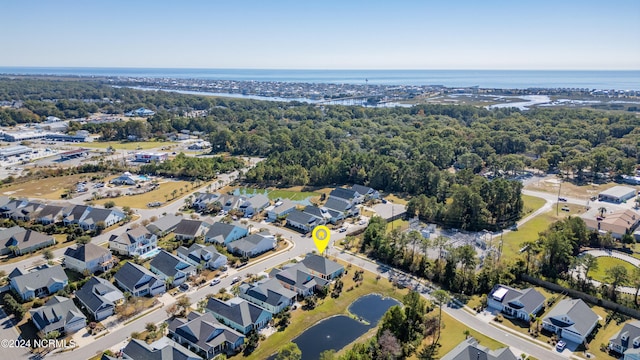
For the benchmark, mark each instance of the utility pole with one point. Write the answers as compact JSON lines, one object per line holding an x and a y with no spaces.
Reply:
{"x":558,"y":200}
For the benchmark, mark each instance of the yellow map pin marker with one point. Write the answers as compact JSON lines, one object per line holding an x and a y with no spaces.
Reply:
{"x":321,"y":236}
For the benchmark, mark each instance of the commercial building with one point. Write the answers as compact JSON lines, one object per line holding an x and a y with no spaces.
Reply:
{"x":14,"y":151}
{"x":148,"y":157}
{"x":617,"y":194}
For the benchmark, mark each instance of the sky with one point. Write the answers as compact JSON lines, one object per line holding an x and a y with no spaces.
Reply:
{"x":327,"y":34}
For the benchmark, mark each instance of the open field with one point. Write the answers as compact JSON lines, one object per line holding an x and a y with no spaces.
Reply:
{"x":605,"y":263}
{"x":273,"y":194}
{"x":395,"y":199}
{"x":140,"y":201}
{"x":571,"y":190}
{"x":126,"y":145}
{"x":49,"y":188}
{"x":301,"y":319}
{"x":399,"y":224}
{"x":531,"y":204}
{"x":513,"y":241}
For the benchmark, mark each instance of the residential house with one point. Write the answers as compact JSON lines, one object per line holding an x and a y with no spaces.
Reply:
{"x":138,"y":281}
{"x":167,"y":265}
{"x":322,"y":267}
{"x":161,"y":349}
{"x":190,"y":229}
{"x":254,"y":205}
{"x":239,"y":314}
{"x":205,"y":335}
{"x":202,"y":200}
{"x":58,"y":314}
{"x":26,"y":212}
{"x":520,"y":304}
{"x":11,"y":206}
{"x":281,"y":209}
{"x":268,"y":294}
{"x":50,"y":214}
{"x":223,"y":233}
{"x":88,"y":257}
{"x":319,"y":212}
{"x":349,"y":195}
{"x":367,"y":192}
{"x":74,"y":214}
{"x":42,"y":281}
{"x":253,"y":245}
{"x":164,"y":225}
{"x":469,"y":349}
{"x":99,"y":297}
{"x":573,"y":320}
{"x":627,"y":340}
{"x":298,"y":278}
{"x":231,"y":202}
{"x":95,"y":216}
{"x":20,"y":241}
{"x":340,"y":210}
{"x":198,"y":254}
{"x":302,"y":221}
{"x":135,"y":242}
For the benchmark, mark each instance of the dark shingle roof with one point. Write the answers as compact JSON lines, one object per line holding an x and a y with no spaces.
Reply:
{"x":96,"y":292}
{"x":165,"y":223}
{"x":269,"y":291}
{"x":188,"y":227}
{"x":301,"y":217}
{"x":50,"y":212}
{"x":22,"y":238}
{"x":577,"y":311}
{"x":86,"y":252}
{"x":55,"y":313}
{"x":163,"y":349}
{"x":321,"y":264}
{"x":240,"y":311}
{"x":169,"y":264}
{"x":342,"y":193}
{"x":336,"y":204}
{"x":130,"y":273}
{"x":631,"y":331}
{"x":203,"y":330}
{"x":361,"y":189}
{"x":196,"y":252}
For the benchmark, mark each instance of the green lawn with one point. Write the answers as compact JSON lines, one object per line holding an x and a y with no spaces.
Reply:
{"x":274,"y":194}
{"x":513,"y":240}
{"x":398,"y":224}
{"x":126,"y":145}
{"x":605,"y":263}
{"x":140,"y":201}
{"x":301,"y":319}
{"x":531,"y":204}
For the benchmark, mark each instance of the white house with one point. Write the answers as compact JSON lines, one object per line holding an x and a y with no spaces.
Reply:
{"x":138,"y":241}
{"x":198,"y":254}
{"x":58,"y":314}
{"x":520,"y":304}
{"x":573,"y":320}
{"x":253,"y":245}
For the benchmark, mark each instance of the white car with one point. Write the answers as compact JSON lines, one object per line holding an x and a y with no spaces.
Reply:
{"x":214,"y":282}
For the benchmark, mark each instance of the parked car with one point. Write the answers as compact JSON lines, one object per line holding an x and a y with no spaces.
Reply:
{"x":214,"y":282}
{"x":342,"y":230}
{"x":184,"y":286}
{"x":235,"y":280}
{"x":561,"y":345}
{"x":562,"y":199}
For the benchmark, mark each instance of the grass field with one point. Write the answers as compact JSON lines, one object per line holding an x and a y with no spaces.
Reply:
{"x":531,"y":204}
{"x":514,"y":240}
{"x":273,"y":194}
{"x":395,"y":199}
{"x":50,"y":188}
{"x":301,"y":319}
{"x":133,"y":145}
{"x":568,"y":189}
{"x":605,"y":263}
{"x":141,"y":201}
{"x":400,"y":224}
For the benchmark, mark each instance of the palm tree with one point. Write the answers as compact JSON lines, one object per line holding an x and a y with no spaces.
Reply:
{"x":602,"y":210}
{"x":441,"y":297}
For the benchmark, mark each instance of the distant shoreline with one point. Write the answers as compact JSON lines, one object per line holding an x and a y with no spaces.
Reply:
{"x":619,"y":80}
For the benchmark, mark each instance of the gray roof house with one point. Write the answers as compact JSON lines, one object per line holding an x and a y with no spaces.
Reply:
{"x":572,"y":320}
{"x":223,"y":234}
{"x":99,"y":297}
{"x":198,"y":254}
{"x":205,"y":333}
{"x":74,"y":214}
{"x":231,"y":202}
{"x":95,"y":215}
{"x":239,"y":314}
{"x":349,"y":195}
{"x":280,"y":209}
{"x":202,"y":200}
{"x":268,"y":294}
{"x":254,"y":205}
{"x":161,"y":349}
{"x":135,"y":242}
{"x":58,"y":314}
{"x":89,"y":257}
{"x":138,"y":281}
{"x":322,"y":267}
{"x":516,"y":303}
{"x":25,"y":241}
{"x":302,"y":221}
{"x":189,"y":229}
{"x":340,"y":209}
{"x":45,"y":280}
{"x":253,"y":245}
{"x":167,"y":265}
{"x":50,"y":214}
{"x":12,"y":205}
{"x":299,"y":279}
{"x":367,"y":192}
{"x":26,"y":212}
{"x":627,"y":339}
{"x":469,"y":349}
{"x":165,"y":224}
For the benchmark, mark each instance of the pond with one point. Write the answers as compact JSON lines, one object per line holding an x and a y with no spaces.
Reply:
{"x":339,"y":331}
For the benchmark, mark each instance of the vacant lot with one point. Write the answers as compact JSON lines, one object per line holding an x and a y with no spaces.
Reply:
{"x":133,"y":145}
{"x":551,"y":185}
{"x":50,"y":188}
{"x":163,"y":193}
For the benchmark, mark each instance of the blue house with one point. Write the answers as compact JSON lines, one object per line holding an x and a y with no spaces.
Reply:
{"x":239,"y":314}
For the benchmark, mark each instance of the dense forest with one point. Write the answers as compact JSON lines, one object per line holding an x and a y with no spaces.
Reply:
{"x":433,"y":153}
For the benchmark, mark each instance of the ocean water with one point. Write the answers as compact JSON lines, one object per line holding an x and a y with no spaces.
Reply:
{"x":503,"y":79}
